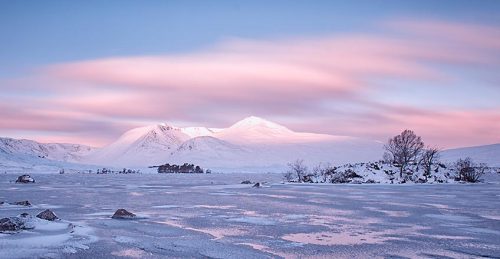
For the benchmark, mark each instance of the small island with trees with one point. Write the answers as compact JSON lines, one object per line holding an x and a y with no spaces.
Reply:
{"x":406,"y":160}
{"x":180,"y":169}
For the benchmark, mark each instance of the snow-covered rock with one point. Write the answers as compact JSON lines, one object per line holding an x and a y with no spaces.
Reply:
{"x":25,"y":178}
{"x":14,"y":224}
{"x":47,"y":215}
{"x":123,"y":214}
{"x":22,"y":203}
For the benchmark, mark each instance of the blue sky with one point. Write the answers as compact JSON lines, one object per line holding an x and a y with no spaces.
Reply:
{"x":40,"y":32}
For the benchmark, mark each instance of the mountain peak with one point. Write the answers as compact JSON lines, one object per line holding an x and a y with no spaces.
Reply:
{"x":254,"y":121}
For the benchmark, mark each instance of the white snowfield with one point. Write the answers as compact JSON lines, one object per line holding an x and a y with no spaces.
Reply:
{"x":488,"y":154}
{"x":250,"y":145}
{"x":214,"y":216}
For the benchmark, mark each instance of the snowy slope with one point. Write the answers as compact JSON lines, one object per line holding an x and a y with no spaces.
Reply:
{"x":255,"y":130}
{"x":209,"y":152}
{"x":194,"y":132}
{"x":53,"y":151}
{"x":255,"y":144}
{"x":142,"y":146}
{"x":489,"y":154}
{"x":28,"y":156}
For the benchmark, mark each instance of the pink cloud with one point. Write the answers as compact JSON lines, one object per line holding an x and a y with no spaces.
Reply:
{"x":472,"y":35}
{"x":302,"y":77}
{"x":444,"y":129}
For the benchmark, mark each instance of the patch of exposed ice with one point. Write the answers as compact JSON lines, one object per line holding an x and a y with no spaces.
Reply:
{"x":483,"y":230}
{"x":216,"y":233}
{"x":390,"y":213}
{"x":491,"y":216}
{"x":222,"y":207}
{"x":166,"y":206}
{"x":130,"y":252}
{"x":350,"y":237}
{"x":124,"y":239}
{"x":448,"y":217}
{"x":253,"y":220}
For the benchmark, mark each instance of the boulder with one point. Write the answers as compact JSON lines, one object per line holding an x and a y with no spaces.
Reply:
{"x":47,"y":215}
{"x":246,"y":182}
{"x":11,"y":224}
{"x":25,"y":178}
{"x":257,"y":185}
{"x":21,"y":203}
{"x":123,"y":214}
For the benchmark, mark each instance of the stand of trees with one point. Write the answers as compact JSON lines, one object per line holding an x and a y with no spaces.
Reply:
{"x":183,"y":169}
{"x":408,"y":149}
{"x":405,"y":155}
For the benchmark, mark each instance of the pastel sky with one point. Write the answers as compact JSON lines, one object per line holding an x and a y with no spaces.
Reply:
{"x":86,"y":71}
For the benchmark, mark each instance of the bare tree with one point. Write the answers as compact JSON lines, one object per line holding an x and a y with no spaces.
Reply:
{"x":324,"y":171}
{"x":404,"y":149}
{"x":296,"y":168}
{"x":429,"y":157}
{"x":468,"y":171}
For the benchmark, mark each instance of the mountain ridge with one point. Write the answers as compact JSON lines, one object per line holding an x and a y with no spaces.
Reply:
{"x":252,"y":142}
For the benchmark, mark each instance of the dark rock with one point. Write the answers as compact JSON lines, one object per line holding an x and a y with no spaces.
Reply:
{"x":257,"y":185}
{"x":11,"y":224}
{"x":22,"y":203}
{"x":123,"y":214}
{"x":24,"y":215}
{"x":47,"y":215}
{"x":246,"y":182}
{"x":25,"y":178}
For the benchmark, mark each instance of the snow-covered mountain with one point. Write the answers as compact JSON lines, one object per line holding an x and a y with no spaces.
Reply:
{"x":489,"y":154}
{"x":142,"y":146}
{"x":27,"y":156}
{"x":252,"y":144}
{"x":255,"y":130}
{"x":207,"y":150}
{"x":52,"y":151}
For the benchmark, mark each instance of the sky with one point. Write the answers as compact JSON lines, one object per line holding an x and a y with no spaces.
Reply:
{"x":86,"y":71}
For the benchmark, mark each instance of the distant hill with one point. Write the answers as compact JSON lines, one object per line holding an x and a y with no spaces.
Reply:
{"x":489,"y":154}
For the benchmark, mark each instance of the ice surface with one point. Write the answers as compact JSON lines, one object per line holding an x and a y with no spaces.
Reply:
{"x":187,"y":217}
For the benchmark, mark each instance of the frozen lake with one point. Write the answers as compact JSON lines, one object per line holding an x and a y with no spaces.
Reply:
{"x":214,"y":216}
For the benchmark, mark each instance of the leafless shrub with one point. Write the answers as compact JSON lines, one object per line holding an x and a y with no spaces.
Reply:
{"x":429,"y":157}
{"x":468,"y":171}
{"x":296,"y":170}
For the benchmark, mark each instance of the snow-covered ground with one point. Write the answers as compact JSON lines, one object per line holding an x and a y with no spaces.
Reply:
{"x":213,"y":215}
